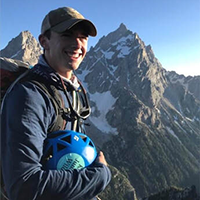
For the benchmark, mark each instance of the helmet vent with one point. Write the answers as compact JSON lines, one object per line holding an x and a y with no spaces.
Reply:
{"x":84,"y":138}
{"x":91,"y":144}
{"x":67,"y":139}
{"x":60,"y":147}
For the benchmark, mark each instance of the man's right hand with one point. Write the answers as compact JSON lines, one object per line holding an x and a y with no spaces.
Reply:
{"x":101,"y":158}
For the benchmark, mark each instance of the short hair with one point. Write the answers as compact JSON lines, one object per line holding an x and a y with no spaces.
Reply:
{"x":47,"y":34}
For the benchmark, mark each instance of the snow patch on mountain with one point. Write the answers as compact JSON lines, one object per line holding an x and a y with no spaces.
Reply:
{"x":172,"y":133}
{"x":108,"y":54}
{"x":196,"y":119}
{"x":180,"y":126}
{"x":123,"y":47}
{"x":112,"y":70}
{"x":124,"y":51}
{"x":105,"y":102}
{"x":16,"y":54}
{"x":81,"y":77}
{"x":124,"y":39}
{"x":176,"y":78}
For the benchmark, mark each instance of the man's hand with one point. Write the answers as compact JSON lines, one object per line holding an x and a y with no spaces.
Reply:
{"x":101,"y":158}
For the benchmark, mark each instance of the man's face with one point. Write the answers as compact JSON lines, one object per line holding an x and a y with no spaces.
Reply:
{"x":65,"y":51}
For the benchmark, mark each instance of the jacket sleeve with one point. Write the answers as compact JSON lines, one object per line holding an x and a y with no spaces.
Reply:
{"x":26,"y":116}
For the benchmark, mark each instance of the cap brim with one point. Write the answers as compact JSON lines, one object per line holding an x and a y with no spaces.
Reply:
{"x":66,"y":25}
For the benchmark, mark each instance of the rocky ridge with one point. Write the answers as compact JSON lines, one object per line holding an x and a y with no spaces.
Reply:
{"x":145,"y":118}
{"x":23,"y":47}
{"x":149,"y":116}
{"x":174,"y":193}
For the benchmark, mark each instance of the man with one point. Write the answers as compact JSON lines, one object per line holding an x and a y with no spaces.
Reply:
{"x":28,"y":113}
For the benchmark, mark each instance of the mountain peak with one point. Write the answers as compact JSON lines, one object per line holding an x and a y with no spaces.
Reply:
{"x":122,"y":27}
{"x":121,"y":30}
{"x":113,"y":37}
{"x":23,"y":47}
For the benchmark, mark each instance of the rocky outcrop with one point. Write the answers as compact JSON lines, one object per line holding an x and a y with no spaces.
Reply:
{"x":119,"y":187}
{"x":148,"y":121}
{"x":175,"y":193}
{"x":24,"y":47}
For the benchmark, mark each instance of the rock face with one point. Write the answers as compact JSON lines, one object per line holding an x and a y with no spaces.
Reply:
{"x":174,"y":193}
{"x":144,"y":118}
{"x":118,"y":188}
{"x":24,"y":47}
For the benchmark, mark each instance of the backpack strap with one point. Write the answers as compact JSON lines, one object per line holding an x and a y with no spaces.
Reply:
{"x":63,"y":115}
{"x":58,"y":104}
{"x":78,"y":109}
{"x":54,"y":95}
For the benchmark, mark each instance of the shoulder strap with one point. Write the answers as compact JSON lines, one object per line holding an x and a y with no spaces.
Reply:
{"x":63,"y":115}
{"x":57,"y":103}
{"x":55,"y":97}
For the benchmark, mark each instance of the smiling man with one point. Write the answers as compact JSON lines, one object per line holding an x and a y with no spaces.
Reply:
{"x":66,"y":46}
{"x":64,"y":38}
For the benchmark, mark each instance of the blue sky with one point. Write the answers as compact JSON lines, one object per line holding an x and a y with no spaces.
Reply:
{"x":171,"y":27}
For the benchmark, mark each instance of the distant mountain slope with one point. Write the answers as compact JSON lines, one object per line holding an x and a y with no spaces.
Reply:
{"x":24,"y":47}
{"x":174,"y":193}
{"x":147,"y":119}
{"x":144,"y":118}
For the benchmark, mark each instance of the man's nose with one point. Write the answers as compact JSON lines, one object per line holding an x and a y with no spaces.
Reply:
{"x":76,"y":43}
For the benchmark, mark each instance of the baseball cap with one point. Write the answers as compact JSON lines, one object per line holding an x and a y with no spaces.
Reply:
{"x":62,"y":19}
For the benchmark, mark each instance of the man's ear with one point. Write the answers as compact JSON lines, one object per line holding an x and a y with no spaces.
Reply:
{"x":44,"y":41}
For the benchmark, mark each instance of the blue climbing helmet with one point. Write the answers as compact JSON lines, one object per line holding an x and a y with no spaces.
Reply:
{"x":65,"y":150}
